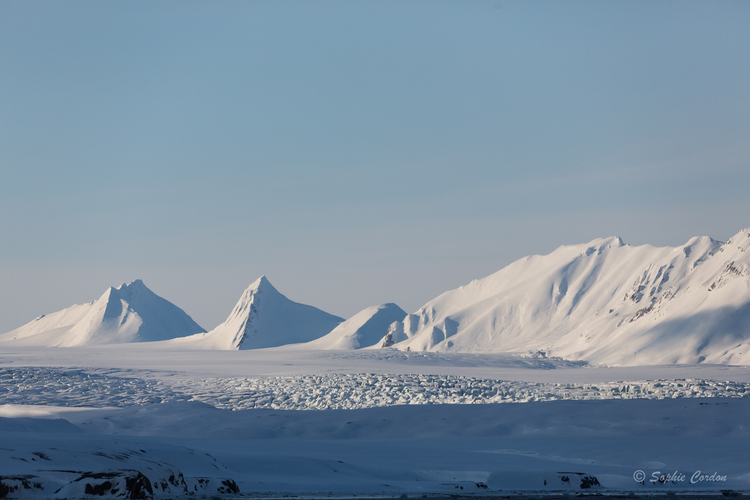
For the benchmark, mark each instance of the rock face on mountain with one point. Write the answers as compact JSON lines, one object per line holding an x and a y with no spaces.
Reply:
{"x":364,"y":329}
{"x":604,"y":302}
{"x":129,"y":313}
{"x":263,"y":317}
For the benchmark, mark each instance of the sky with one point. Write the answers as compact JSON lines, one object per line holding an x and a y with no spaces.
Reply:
{"x":355,"y":153}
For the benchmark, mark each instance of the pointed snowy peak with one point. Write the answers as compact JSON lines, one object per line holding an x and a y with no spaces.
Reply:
{"x":128,"y":313}
{"x":132,"y":289}
{"x":263,"y":317}
{"x":244,"y":307}
{"x":365,"y":329}
{"x":262,"y":283}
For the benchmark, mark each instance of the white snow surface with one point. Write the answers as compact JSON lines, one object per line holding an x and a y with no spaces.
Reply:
{"x":129,"y":313}
{"x":364,"y":329}
{"x":263,"y":317}
{"x":603,"y":302}
{"x":149,"y":421}
{"x":600,"y":368}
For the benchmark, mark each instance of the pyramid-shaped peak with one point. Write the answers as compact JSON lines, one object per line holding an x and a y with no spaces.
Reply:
{"x":133,"y":285}
{"x":264,"y":317}
{"x":137,"y":283}
{"x":260,"y":286}
{"x":261,"y":283}
{"x":128,"y":313}
{"x":129,"y":291}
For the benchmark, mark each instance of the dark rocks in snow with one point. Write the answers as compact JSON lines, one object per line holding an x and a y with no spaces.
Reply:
{"x":583,"y":480}
{"x":388,"y":340}
{"x":13,"y":484}
{"x":133,"y":485}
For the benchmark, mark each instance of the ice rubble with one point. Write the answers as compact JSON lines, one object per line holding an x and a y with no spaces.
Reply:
{"x":117,"y":388}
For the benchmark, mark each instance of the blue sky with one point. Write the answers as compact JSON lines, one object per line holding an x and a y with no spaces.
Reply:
{"x":355,"y":152}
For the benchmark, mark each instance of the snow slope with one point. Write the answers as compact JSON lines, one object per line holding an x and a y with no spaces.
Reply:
{"x":263,"y":317}
{"x":364,"y":329}
{"x":603,"y":302}
{"x":129,"y":313}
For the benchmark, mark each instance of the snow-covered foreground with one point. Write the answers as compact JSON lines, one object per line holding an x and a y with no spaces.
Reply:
{"x":136,"y":422}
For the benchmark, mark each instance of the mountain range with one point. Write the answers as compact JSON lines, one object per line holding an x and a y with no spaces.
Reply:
{"x":601,"y":302}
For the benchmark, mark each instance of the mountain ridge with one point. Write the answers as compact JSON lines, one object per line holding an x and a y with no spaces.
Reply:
{"x":596,"y":301}
{"x":604,"y":302}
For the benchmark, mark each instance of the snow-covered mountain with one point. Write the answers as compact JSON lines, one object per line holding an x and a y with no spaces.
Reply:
{"x":364,"y":329}
{"x":604,"y":302}
{"x":129,"y":313}
{"x":263,"y":317}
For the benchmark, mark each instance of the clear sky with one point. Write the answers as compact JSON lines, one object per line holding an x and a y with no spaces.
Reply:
{"x":355,"y":152}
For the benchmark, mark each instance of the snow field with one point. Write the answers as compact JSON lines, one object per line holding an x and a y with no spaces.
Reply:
{"x":109,"y":388}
